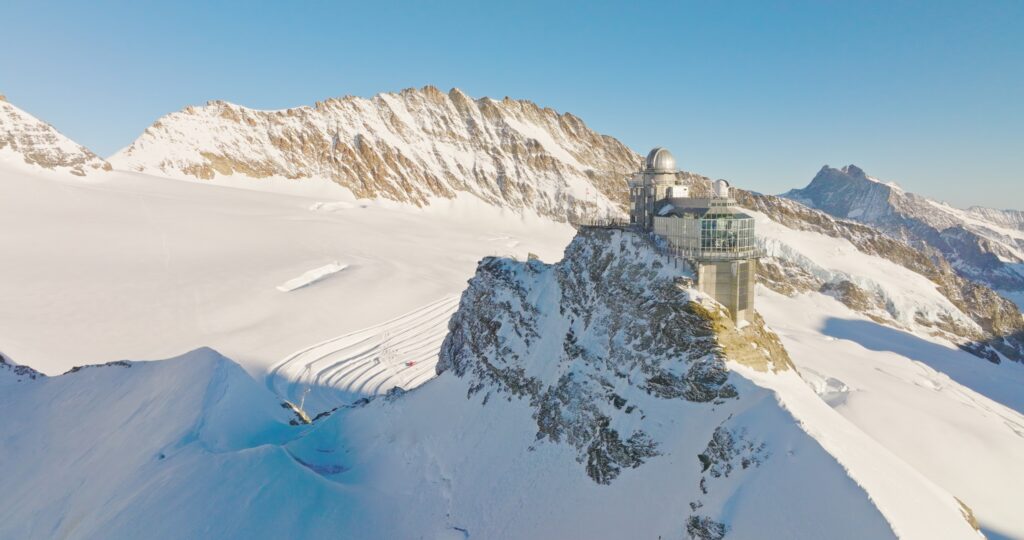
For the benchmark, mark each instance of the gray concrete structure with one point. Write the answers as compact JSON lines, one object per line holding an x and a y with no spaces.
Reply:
{"x":711,"y":232}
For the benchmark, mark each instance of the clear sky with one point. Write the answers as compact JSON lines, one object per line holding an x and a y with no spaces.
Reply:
{"x":929,"y":94}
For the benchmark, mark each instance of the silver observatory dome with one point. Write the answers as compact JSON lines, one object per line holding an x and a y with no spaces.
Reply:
{"x":660,"y":160}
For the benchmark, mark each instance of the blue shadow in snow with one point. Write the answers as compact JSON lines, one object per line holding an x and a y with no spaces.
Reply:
{"x":999,"y":382}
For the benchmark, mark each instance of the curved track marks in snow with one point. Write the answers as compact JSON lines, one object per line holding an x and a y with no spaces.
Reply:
{"x":400,"y":352}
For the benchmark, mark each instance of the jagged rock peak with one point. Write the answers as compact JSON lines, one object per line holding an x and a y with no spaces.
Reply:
{"x":848,"y":173}
{"x":37,"y":143}
{"x":409,"y":146}
{"x":854,"y":171}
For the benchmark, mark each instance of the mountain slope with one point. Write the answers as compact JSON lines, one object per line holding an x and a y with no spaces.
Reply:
{"x":954,"y":418}
{"x":183,"y":448}
{"x":594,"y":403}
{"x":981,"y":244}
{"x":27,"y":140}
{"x":410,"y":147}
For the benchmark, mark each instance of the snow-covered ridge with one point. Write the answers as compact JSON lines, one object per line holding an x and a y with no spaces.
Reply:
{"x":9,"y":371}
{"x":408,"y":146}
{"x":26,"y":140}
{"x":1012,"y":219}
{"x":981,"y":244}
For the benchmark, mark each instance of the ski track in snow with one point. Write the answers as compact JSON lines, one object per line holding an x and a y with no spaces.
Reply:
{"x":401,"y":352}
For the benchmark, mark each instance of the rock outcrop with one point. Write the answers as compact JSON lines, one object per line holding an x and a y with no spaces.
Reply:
{"x":580,"y":338}
{"x":613,"y":324}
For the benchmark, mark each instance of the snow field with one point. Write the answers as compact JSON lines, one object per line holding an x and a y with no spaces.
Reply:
{"x":128,"y":265}
{"x":903,"y":406}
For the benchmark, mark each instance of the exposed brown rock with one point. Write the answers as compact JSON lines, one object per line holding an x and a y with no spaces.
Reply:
{"x":968,"y":514}
{"x":40,"y":144}
{"x":785,"y":277}
{"x":751,"y":344}
{"x":401,"y":147}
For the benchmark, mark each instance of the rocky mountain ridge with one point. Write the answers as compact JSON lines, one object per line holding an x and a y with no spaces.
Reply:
{"x":981,"y":244}
{"x":409,"y":146}
{"x":34,"y":142}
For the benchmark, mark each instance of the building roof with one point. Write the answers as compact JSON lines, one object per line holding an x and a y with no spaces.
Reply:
{"x":687,"y":207}
{"x":661,"y":160}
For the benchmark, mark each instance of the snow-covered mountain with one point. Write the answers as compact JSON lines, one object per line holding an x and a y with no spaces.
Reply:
{"x":982,"y":244}
{"x":590,"y":398}
{"x":410,"y":147}
{"x":312,"y":289}
{"x":25,"y":139}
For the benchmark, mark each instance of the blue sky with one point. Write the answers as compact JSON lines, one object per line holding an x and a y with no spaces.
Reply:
{"x":929,"y":94}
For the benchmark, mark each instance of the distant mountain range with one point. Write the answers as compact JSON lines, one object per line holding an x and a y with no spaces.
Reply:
{"x":983,"y":244}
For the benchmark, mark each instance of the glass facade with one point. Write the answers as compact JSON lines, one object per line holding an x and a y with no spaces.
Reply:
{"x":717,"y":234}
{"x":727,"y":233}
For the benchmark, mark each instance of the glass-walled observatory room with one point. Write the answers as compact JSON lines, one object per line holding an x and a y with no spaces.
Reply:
{"x":708,"y":233}
{"x":727,"y":234}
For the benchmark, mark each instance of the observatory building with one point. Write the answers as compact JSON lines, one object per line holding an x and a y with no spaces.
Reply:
{"x":709,"y":231}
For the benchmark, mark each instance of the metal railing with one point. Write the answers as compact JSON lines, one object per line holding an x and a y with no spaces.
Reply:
{"x":717,"y":254}
{"x":603,"y":223}
{"x":663,"y":246}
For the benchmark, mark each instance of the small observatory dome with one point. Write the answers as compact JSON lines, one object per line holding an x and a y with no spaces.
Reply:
{"x":660,"y":160}
{"x":721,"y":188}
